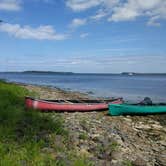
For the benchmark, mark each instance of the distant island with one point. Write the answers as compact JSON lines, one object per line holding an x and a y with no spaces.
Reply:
{"x":37,"y":72}
{"x":47,"y":72}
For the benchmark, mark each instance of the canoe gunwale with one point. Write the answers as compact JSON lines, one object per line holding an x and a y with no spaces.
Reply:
{"x":45,"y":105}
{"x":86,"y":101}
{"x":142,"y":105}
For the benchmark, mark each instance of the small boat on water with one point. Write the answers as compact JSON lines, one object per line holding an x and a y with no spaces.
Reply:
{"x":127,"y":109}
{"x":70,"y":105}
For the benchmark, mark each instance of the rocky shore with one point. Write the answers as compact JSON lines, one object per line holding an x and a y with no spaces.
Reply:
{"x":106,"y":140}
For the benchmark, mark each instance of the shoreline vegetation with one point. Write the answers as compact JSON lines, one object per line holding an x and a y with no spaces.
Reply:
{"x":32,"y":138}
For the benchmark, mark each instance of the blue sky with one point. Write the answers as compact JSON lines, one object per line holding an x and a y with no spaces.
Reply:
{"x":105,"y":36}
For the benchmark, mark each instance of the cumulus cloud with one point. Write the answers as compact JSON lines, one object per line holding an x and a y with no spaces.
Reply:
{"x":78,"y":22}
{"x":26,"y":32}
{"x":10,"y":5}
{"x":120,"y":10}
{"x":154,"y":9}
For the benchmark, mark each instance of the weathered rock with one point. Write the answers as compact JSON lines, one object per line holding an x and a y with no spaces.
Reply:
{"x":161,"y":159}
{"x":139,"y":162}
{"x":116,"y":155}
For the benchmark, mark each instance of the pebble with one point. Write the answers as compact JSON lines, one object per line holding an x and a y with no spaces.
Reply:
{"x":139,"y":162}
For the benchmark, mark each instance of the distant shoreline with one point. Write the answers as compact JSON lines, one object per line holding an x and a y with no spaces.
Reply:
{"x":72,"y":73}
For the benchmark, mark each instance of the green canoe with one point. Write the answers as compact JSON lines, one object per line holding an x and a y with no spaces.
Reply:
{"x":127,"y":109}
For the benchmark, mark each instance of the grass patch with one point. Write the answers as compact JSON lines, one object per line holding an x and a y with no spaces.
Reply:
{"x":23,"y":134}
{"x":127,"y":163}
{"x":83,"y":162}
{"x":114,"y":146}
{"x":83,"y":136}
{"x":28,"y":137}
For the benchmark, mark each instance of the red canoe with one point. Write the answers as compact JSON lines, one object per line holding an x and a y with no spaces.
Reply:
{"x":69,"y":105}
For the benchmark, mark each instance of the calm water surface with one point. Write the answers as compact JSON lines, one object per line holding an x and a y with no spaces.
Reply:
{"x":132,"y":88}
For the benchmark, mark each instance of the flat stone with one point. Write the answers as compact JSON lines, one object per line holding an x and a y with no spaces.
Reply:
{"x":139,"y":162}
{"x":157,"y":127}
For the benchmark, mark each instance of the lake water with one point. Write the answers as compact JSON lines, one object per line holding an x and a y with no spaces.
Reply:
{"x":132,"y":88}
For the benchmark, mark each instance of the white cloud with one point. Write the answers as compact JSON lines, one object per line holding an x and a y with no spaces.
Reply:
{"x":26,"y":32}
{"x":120,"y":10}
{"x":78,"y":22}
{"x":154,"y":9}
{"x":99,"y":15}
{"x":84,"y":35}
{"x":123,"y":14}
{"x":10,"y":5}
{"x":80,"y":5}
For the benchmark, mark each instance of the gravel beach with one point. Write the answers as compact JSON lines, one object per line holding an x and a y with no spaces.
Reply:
{"x":106,"y":140}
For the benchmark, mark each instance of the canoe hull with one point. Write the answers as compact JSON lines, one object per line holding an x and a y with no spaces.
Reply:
{"x":45,"y":105}
{"x":126,"y":109}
